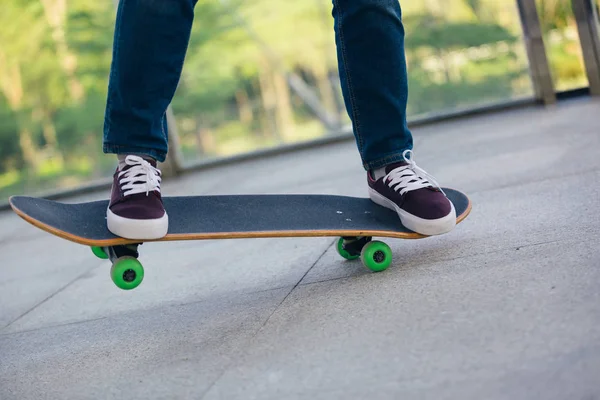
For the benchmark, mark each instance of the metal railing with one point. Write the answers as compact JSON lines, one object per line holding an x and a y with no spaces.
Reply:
{"x":539,"y":68}
{"x":586,"y":15}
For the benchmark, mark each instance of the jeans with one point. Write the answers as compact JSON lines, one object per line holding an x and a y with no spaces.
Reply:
{"x":151,"y":40}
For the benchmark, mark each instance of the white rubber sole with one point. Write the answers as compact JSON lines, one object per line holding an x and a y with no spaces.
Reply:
{"x":429,"y":227}
{"x":137,"y":228}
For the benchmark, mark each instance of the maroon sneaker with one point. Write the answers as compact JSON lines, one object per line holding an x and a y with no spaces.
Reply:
{"x":136,"y":209}
{"x":422,"y":205}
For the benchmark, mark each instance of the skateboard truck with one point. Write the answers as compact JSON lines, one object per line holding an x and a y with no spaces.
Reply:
{"x":354,"y":245}
{"x":126,"y":271}
{"x":375,"y":255}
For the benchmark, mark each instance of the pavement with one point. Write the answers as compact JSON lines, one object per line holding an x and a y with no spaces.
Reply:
{"x":506,"y":306}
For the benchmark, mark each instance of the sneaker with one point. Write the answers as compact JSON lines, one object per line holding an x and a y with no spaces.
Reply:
{"x":136,"y":209}
{"x":405,"y":188}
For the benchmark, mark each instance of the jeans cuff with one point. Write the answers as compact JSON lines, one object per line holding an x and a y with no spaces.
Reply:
{"x":383,"y":161}
{"x":158,"y":155}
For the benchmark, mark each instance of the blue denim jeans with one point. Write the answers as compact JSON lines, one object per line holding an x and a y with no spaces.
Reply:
{"x":150,"y":44}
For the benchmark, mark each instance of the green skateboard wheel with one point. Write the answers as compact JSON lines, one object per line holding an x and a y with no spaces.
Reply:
{"x":99,"y":252}
{"x":344,"y":253}
{"x":127,"y":273}
{"x":377,"y":256}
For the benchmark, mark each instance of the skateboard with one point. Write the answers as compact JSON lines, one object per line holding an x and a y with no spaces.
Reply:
{"x":355,"y":220}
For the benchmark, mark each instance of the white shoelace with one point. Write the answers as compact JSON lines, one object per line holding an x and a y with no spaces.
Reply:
{"x":142,"y":177}
{"x":409,"y":177}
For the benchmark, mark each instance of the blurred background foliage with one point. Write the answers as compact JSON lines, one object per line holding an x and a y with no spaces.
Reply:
{"x":258,"y":74}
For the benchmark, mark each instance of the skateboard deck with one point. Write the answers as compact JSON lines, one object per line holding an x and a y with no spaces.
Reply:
{"x":230,"y":217}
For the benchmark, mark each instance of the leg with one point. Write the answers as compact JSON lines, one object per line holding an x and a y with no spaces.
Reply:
{"x":372,"y":66}
{"x":150,"y":43}
{"x":370,"y":47}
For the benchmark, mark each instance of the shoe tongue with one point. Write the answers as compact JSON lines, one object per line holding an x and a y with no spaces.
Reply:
{"x":124,"y":166}
{"x":391,"y":167}
{"x":395,"y":165}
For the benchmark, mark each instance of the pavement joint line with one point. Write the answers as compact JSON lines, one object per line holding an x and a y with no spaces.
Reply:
{"x":173,"y":304}
{"x":125,"y":313}
{"x":41,"y":328}
{"x":47,"y":298}
{"x":421,"y":265}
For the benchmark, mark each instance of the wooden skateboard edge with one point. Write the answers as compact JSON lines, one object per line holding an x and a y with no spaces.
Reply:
{"x":227,"y":235}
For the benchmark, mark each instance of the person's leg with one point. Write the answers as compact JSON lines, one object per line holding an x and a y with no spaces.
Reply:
{"x":372,"y":67}
{"x":150,"y":43}
{"x":369,"y":36}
